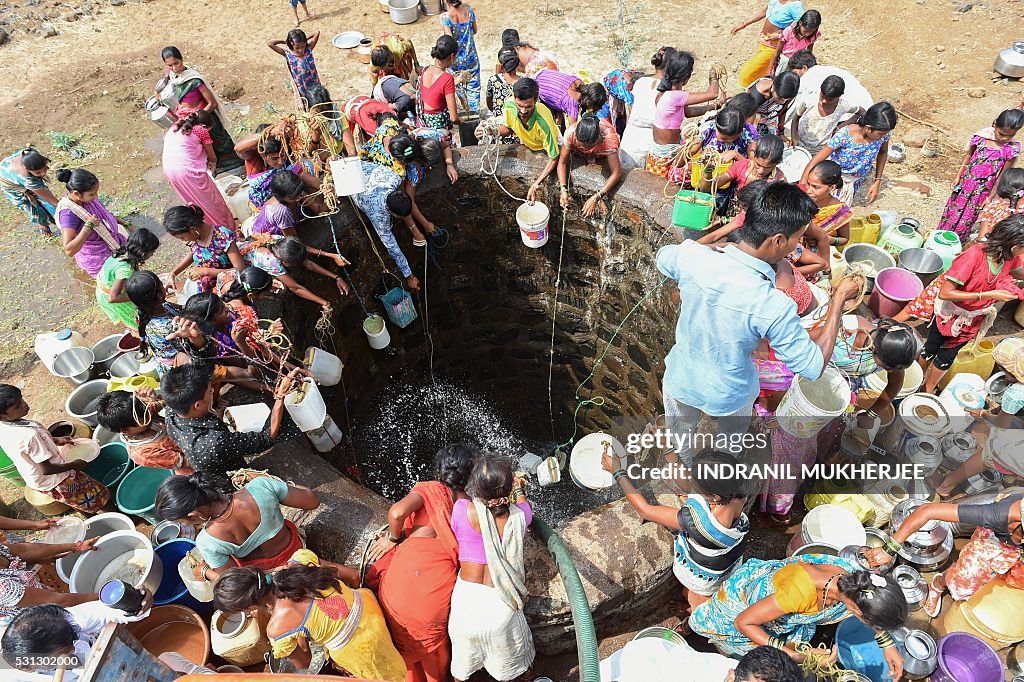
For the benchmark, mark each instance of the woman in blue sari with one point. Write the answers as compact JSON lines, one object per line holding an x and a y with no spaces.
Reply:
{"x":460,"y":23}
{"x":780,"y":603}
{"x":23,"y":181}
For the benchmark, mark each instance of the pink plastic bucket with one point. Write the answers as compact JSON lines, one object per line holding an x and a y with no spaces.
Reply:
{"x":894,"y":289}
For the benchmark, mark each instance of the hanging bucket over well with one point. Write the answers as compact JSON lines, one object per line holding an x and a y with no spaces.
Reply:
{"x":399,"y":307}
{"x":347,"y":174}
{"x":693,"y":210}
{"x":533,"y":224}
{"x":376,"y":331}
{"x":809,"y":406}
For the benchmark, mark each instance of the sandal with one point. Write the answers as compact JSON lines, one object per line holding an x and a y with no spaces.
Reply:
{"x":934,"y":598}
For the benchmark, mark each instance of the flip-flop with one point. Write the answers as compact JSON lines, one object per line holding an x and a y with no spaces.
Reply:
{"x":932,"y":590}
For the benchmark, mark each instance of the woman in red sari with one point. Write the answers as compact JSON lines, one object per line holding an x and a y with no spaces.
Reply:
{"x":414,"y":582}
{"x":965,"y":304}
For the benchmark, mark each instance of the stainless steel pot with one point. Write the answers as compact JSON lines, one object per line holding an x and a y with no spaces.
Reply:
{"x":160,"y":113}
{"x":1010,"y":61}
{"x":105,"y":351}
{"x":125,"y":366}
{"x":404,"y":11}
{"x":915,"y":589}
{"x":958,"y":447}
{"x":815,"y":548}
{"x":76,"y":365}
{"x":924,"y":263}
{"x":929,"y":547}
{"x":922,"y":654}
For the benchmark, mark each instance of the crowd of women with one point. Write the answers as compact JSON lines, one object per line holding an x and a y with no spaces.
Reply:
{"x":445,"y":589}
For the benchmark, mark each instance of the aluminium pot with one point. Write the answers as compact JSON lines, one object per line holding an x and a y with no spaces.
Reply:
{"x":76,"y":365}
{"x":1010,"y":62}
{"x":404,"y":11}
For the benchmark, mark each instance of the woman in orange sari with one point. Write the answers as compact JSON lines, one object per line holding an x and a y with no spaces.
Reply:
{"x":416,"y":566}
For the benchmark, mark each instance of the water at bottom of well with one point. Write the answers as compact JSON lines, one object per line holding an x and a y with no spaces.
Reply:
{"x":395,"y":439}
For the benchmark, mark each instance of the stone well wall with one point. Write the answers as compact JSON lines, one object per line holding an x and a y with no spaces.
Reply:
{"x":489,"y":310}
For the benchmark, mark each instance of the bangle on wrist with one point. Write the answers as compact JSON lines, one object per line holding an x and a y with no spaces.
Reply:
{"x":619,"y":474}
{"x":399,"y":539}
{"x":884,"y":640}
{"x":892,"y":548}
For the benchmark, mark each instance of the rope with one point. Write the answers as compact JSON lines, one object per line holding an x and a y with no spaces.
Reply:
{"x":324,"y":327}
{"x":599,"y":400}
{"x":554,"y":313}
{"x":816,"y":663}
{"x":491,"y":142}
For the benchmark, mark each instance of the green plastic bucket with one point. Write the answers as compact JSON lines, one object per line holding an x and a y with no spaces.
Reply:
{"x":111,"y":465}
{"x":137,"y":492}
{"x":693,"y":210}
{"x":9,"y":471}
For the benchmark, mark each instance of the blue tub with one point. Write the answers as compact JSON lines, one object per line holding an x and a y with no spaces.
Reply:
{"x":172,"y":590}
{"x":858,"y":650}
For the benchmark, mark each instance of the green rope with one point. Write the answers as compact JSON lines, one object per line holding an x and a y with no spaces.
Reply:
{"x":599,"y":400}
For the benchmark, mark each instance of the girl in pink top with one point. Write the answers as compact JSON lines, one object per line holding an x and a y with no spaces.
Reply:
{"x":189,"y":160}
{"x":672,"y":106}
{"x":494,"y":522}
{"x":796,"y":37}
{"x":437,"y":108}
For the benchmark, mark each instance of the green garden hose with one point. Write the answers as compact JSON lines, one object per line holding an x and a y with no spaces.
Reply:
{"x":582,"y":619}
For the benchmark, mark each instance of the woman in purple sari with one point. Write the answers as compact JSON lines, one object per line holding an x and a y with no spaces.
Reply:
{"x":88,"y":230}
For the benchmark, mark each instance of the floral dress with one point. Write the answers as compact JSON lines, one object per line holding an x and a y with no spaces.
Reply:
{"x":375,"y":151}
{"x":304,"y":75}
{"x":854,"y":158}
{"x":214,"y":255}
{"x":499,"y":90}
{"x":976,"y":182}
{"x":769,"y":111}
{"x":466,"y":58}
{"x":13,"y":581}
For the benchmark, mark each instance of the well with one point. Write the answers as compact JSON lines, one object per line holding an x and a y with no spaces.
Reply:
{"x":475,"y":365}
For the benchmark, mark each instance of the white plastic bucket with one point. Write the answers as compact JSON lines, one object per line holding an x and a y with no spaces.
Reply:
{"x":189,"y":288}
{"x":327,"y":437}
{"x":533,"y":224}
{"x":794,"y":161}
{"x":585,"y":461}
{"x":347,"y":175}
{"x":376,"y":331}
{"x":809,"y":406}
{"x":833,"y":525}
{"x":307,"y":409}
{"x":966,"y":390}
{"x":247,"y":418}
{"x":325,"y":367}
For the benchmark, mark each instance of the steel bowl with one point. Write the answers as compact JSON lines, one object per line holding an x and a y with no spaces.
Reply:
{"x":815,"y":548}
{"x":76,"y":365}
{"x":874,"y":257}
{"x":106,"y":351}
{"x":926,"y":264}
{"x":1010,"y":62}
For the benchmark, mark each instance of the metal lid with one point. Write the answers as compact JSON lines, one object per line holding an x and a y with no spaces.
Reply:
{"x":63,"y":334}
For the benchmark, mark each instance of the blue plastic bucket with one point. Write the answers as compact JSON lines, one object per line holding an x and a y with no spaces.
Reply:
{"x":111,"y":465}
{"x":858,"y":650}
{"x":172,"y":589}
{"x":399,"y":307}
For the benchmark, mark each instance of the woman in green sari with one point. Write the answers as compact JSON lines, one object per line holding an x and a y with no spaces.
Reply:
{"x":193,"y":92}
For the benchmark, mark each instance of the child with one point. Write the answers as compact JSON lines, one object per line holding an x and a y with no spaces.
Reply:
{"x":136,"y":417}
{"x":796,"y":37}
{"x":833,"y":216}
{"x":1008,"y":199}
{"x":37,"y":456}
{"x":277,"y":216}
{"x":301,"y":64}
{"x":857,"y":147}
{"x":990,"y":152}
{"x":773,"y":97}
{"x":762,"y":164}
{"x":816,"y":121}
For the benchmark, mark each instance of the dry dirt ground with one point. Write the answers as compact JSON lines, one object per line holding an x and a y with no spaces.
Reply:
{"x":91,"y":79}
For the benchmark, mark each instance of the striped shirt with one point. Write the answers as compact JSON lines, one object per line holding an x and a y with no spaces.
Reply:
{"x":539,"y":133}
{"x":708,"y":549}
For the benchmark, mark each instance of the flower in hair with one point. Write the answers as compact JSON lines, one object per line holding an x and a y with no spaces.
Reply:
{"x":497,"y":502}
{"x":877,"y":580}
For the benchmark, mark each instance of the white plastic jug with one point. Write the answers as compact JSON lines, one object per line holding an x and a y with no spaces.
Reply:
{"x":247,"y":418}
{"x":202,"y":590}
{"x":306,"y":407}
{"x":238,"y":202}
{"x":325,"y":367}
{"x":347,"y":174}
{"x":49,"y":345}
{"x":327,"y":437}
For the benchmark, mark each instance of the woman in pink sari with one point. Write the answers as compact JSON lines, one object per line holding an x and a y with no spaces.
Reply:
{"x":189,"y":161}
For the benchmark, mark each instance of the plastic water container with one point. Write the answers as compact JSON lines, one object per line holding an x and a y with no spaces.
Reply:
{"x":900,"y":238}
{"x":137,"y":493}
{"x":201,"y":590}
{"x":111,"y":466}
{"x":809,"y":406}
{"x":894,"y":289}
{"x":327,"y":437}
{"x":247,"y":418}
{"x":238,"y":202}
{"x":977,"y":358}
{"x":692,"y":210}
{"x":399,"y":307}
{"x":172,"y":589}
{"x":238,"y":638}
{"x":376,"y":331}
{"x":325,"y":367}
{"x":585,"y":461}
{"x":858,"y":651}
{"x":50,"y":344}
{"x":794,"y":162}
{"x":966,"y":390}
{"x":347,"y":175}
{"x":863,"y":232}
{"x":946,"y":244}
{"x":306,"y":407}
{"x":533,"y":224}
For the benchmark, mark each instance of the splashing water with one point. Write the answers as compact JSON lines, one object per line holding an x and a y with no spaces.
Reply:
{"x":396,"y":441}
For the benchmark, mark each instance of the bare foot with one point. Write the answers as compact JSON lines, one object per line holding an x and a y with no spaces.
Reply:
{"x":933,"y":602}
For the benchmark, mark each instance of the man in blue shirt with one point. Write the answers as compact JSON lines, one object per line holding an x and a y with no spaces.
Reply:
{"x":729,"y":303}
